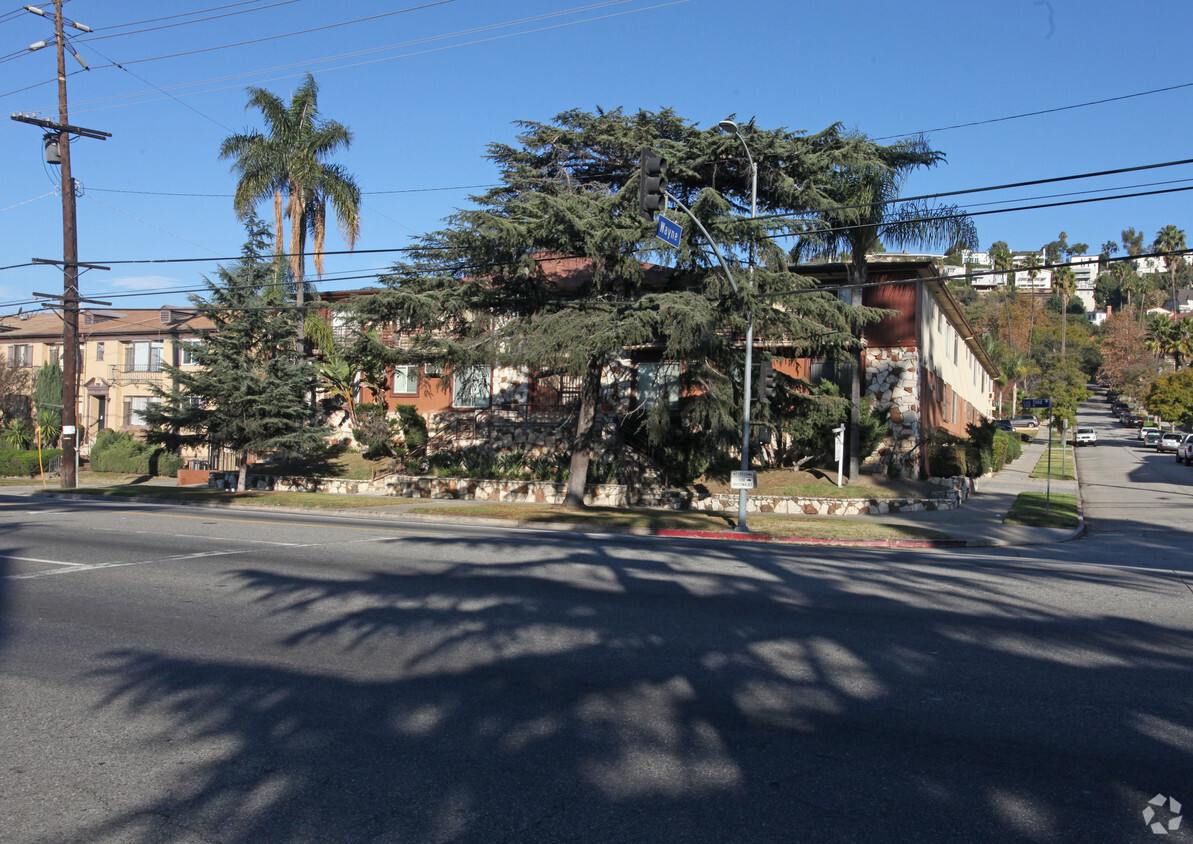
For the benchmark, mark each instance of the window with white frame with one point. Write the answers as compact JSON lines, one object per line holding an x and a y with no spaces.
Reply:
{"x":405,"y":380}
{"x":143,"y":356}
{"x":472,"y":386}
{"x":658,"y":381}
{"x":186,"y":353}
{"x":99,"y":350}
{"x":134,"y":409}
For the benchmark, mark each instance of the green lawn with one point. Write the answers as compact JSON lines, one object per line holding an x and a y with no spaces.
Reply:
{"x":1062,"y":464}
{"x":312,"y":500}
{"x":1035,"y":509}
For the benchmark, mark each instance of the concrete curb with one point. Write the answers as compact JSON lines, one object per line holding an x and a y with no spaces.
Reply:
{"x":578,"y":527}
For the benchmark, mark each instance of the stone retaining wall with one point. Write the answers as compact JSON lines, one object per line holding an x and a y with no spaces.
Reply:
{"x":956,"y":491}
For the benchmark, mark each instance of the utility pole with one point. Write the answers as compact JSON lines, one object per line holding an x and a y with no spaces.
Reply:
{"x":70,"y":248}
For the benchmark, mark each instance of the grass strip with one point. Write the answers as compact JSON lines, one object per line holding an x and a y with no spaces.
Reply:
{"x":1035,"y":509}
{"x":1062,"y":467}
{"x":262,"y":498}
{"x":801,"y":526}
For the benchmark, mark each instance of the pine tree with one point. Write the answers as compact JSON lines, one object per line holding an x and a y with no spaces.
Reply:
{"x":484,"y":290}
{"x":250,"y":391}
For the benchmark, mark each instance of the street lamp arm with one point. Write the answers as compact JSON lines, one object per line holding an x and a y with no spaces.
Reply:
{"x":707,"y":237}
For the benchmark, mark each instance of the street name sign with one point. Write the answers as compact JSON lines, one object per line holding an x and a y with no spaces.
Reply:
{"x":669,"y":231}
{"x":1032,"y":404}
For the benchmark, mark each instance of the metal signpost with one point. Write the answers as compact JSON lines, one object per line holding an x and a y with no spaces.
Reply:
{"x":1033,"y":404}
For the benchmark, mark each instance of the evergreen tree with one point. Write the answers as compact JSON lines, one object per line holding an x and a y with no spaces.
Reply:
{"x":250,"y":391}
{"x":47,"y":402}
{"x":487,"y":289}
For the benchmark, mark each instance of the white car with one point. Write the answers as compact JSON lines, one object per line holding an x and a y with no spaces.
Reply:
{"x":1184,"y":451}
{"x":1144,"y":430}
{"x":1085,"y":436}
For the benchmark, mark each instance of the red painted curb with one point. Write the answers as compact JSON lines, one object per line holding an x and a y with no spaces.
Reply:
{"x":808,"y":540}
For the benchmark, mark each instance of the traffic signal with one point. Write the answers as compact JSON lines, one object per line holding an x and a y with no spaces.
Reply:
{"x":766,"y":381}
{"x":652,"y":184}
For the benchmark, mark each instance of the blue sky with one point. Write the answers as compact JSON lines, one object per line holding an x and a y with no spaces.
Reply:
{"x":427,"y":85}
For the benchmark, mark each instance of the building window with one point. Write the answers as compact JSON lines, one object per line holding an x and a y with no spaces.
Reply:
{"x":99,"y":350}
{"x":818,"y":370}
{"x":186,"y":354}
{"x":658,"y":381}
{"x":472,"y":386}
{"x":405,"y":380}
{"x":20,"y":355}
{"x":134,"y":410}
{"x":144,"y":356}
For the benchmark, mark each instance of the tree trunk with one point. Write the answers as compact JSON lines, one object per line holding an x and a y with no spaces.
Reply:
{"x":590,"y":393}
{"x":242,"y":477}
{"x":858,"y":273}
{"x":1064,"y":322}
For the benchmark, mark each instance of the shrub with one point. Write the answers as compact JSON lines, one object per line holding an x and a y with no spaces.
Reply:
{"x":413,"y":426}
{"x":115,"y":451}
{"x":946,"y":455}
{"x":375,"y":431}
{"x":24,"y":464}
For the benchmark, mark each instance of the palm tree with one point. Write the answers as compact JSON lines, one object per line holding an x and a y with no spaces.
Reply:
{"x":1161,"y":336}
{"x":1032,"y":263}
{"x":1170,"y":239}
{"x":868,"y":215}
{"x":1064,"y":282}
{"x":1003,"y":260}
{"x":289,"y":165}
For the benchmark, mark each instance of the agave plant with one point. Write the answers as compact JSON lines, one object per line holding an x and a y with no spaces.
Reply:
{"x":49,"y":425}
{"x":19,"y":433}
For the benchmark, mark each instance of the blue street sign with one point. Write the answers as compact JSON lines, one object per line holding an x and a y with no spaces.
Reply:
{"x":669,"y":231}
{"x":1036,"y":403}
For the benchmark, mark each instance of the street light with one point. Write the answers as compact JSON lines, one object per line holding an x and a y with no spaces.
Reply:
{"x":731,"y":127}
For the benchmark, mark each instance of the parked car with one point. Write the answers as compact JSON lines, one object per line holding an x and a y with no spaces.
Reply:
{"x":1085,"y":436}
{"x":1004,"y":425}
{"x":1151,"y":437}
{"x":1119,"y":408}
{"x":1169,"y":441}
{"x":1144,"y":430}
{"x":1184,"y":451}
{"x":1025,"y":421}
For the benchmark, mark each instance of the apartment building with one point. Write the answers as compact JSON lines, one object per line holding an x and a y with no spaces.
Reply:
{"x":121,"y":353}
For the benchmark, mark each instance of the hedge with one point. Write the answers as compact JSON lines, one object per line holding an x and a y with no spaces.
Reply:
{"x":22,"y":463}
{"x":115,"y":451}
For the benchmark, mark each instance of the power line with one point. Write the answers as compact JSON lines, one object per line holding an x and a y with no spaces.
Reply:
{"x":230,"y":195}
{"x":1039,"y":112}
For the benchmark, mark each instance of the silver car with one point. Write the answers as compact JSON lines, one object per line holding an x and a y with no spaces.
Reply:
{"x":1170,"y":441}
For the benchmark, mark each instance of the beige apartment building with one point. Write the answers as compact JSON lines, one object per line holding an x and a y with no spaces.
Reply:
{"x":121,"y":352}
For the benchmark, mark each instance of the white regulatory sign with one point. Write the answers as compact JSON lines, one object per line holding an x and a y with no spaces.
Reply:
{"x":743,"y":480}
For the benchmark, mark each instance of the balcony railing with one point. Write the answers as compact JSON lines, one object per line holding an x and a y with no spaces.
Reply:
{"x":147,"y":374}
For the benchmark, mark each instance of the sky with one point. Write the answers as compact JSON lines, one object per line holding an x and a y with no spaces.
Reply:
{"x":1011,"y":91}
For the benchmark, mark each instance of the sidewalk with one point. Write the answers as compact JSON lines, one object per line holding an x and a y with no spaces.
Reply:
{"x":977,"y":522}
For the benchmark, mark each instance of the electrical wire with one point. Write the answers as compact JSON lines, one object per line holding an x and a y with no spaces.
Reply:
{"x":1039,"y":112}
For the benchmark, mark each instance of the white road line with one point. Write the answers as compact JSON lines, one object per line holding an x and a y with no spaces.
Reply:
{"x":79,"y":567}
{"x":39,"y":560}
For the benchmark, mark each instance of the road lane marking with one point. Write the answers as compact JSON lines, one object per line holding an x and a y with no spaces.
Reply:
{"x":276,"y":524}
{"x":79,"y":567}
{"x":39,"y":560}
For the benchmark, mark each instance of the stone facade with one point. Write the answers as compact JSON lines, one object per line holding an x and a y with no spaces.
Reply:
{"x":892,"y":380}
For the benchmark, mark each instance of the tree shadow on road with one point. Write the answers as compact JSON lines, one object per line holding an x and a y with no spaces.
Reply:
{"x":589,"y":691}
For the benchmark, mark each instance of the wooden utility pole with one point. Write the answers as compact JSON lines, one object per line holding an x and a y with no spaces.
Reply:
{"x":70,"y":248}
{"x":70,"y":276}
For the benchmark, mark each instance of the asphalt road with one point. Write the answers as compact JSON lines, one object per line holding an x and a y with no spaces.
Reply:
{"x":179,"y":675}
